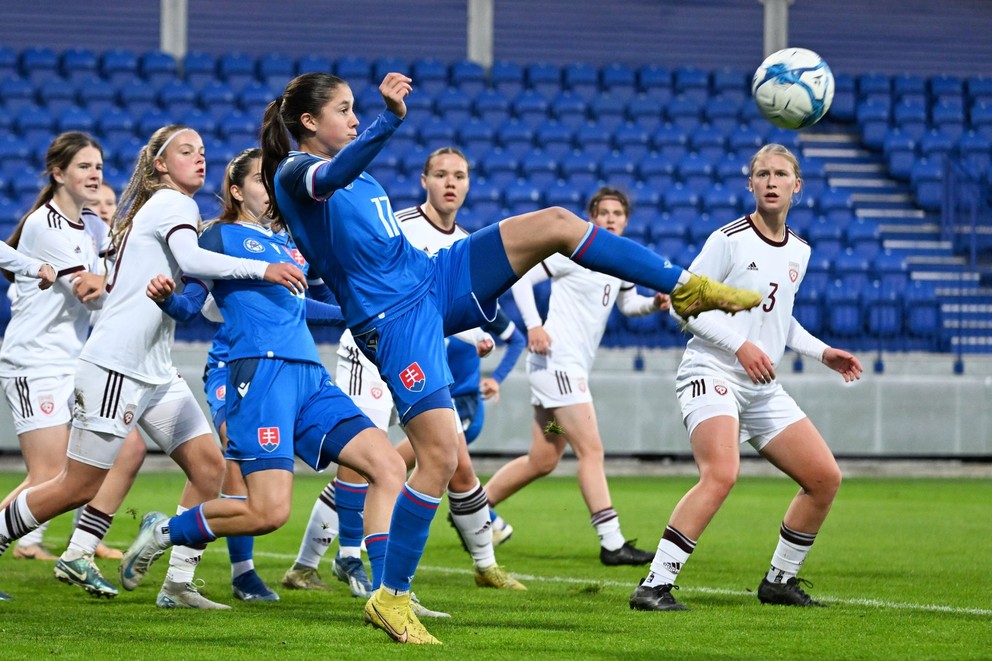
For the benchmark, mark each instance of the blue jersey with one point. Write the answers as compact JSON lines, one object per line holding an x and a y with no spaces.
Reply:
{"x":464,"y":361}
{"x":343,"y":222}
{"x":263,"y":320}
{"x":219,"y":349}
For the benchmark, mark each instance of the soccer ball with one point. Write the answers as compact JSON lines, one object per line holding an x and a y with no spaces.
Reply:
{"x":793,"y":88}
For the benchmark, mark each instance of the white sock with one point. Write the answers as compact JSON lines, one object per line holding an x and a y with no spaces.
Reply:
{"x":350,"y":551}
{"x":470,"y":514}
{"x":20,"y":519}
{"x":607,"y":525}
{"x":35,"y":537}
{"x":321,"y":531}
{"x":91,"y":527}
{"x":183,"y":560}
{"x":673,"y":552}
{"x":793,"y":547}
{"x":241,"y":567}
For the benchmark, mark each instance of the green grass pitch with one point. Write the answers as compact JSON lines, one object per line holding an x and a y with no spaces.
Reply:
{"x":904,"y":564}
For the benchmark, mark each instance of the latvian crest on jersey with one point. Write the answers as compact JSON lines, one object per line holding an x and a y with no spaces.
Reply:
{"x":47,"y":405}
{"x":413,"y":377}
{"x":268,"y":438}
{"x":376,"y":392}
{"x":793,"y":271}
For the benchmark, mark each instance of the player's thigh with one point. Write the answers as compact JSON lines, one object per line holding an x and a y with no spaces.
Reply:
{"x":800,"y":452}
{"x":173,"y":418}
{"x":581,"y":428}
{"x":43,"y":451}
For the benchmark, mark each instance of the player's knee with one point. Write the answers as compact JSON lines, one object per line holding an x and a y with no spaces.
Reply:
{"x":270,"y":518}
{"x":718,"y":483}
{"x":389,"y":471}
{"x":209,"y":472}
{"x":544,"y":465}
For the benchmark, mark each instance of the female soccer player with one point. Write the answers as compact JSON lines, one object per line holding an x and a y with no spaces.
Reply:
{"x":125,"y":375}
{"x":728,"y":393}
{"x":400,"y":303}
{"x":562,"y":351}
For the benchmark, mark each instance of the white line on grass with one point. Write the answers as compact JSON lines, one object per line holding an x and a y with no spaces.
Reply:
{"x":873,"y":603}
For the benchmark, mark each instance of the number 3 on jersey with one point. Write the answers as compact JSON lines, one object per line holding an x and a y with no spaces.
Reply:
{"x":386,"y":216}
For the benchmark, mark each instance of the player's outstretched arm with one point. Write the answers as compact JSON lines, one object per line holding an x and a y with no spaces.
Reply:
{"x":844,"y":363}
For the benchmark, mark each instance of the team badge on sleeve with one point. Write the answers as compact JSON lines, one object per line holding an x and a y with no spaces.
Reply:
{"x":413,"y":377}
{"x":268,"y":438}
{"x":220,"y":392}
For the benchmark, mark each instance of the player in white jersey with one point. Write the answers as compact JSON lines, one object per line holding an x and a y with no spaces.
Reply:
{"x":430,"y":227}
{"x":47,"y":331}
{"x":728,"y":393}
{"x":125,"y":375}
{"x":561,"y":354}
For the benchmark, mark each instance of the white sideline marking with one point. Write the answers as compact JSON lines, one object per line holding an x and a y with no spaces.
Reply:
{"x":873,"y":603}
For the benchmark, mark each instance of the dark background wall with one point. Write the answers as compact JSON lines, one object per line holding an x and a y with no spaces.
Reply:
{"x":855,"y":36}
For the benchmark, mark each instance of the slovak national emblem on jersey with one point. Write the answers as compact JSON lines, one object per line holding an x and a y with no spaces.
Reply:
{"x":297,"y":256}
{"x":251,"y":245}
{"x":793,"y":271}
{"x":47,"y":404}
{"x":268,"y":438}
{"x":220,"y":392}
{"x":413,"y":377}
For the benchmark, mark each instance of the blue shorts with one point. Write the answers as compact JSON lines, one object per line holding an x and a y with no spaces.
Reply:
{"x":215,"y":387}
{"x":408,"y":348}
{"x":280,"y":408}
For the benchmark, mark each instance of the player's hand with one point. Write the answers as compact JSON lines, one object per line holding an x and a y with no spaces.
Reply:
{"x":489,"y":388}
{"x":395,"y":87}
{"x":87,"y":286}
{"x":287,"y":275}
{"x":47,"y":276}
{"x":538,"y":340}
{"x":484,"y":346}
{"x":662,"y":301}
{"x":844,"y":363}
{"x":160,"y":288}
{"x":756,"y":363}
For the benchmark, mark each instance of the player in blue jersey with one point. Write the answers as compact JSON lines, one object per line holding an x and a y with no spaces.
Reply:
{"x":400,"y":303}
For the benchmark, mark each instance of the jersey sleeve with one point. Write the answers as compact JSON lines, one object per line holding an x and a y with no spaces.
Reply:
{"x":308,"y":176}
{"x":56,"y":247}
{"x":632,"y":304}
{"x":196,"y":261}
{"x":183,"y":214}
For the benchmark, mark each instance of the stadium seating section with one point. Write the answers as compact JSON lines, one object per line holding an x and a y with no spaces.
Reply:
{"x":678,"y":140}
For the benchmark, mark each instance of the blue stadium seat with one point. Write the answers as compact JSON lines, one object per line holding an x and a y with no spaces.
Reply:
{"x":569,"y":109}
{"x":436,"y":133}
{"x":177,"y":98}
{"x":123,"y":152}
{"x":843,"y":310}
{"x":825,"y":237}
{"x":646,"y":112}
{"x":667,"y":246}
{"x":910,"y":115}
{"x":39,"y":64}
{"x":35,"y":124}
{"x":8,"y":62}
{"x":151,"y":121}
{"x":217,"y":99}
{"x":808,"y":309}
{"x":633,"y":141}
{"x":581,"y":170}
{"x":501,"y":168}
{"x":119,"y":65}
{"x":851,"y":269}
{"x":657,"y":171}
{"x":723,"y":113}
{"x":935,"y":145}
{"x":16,"y":94}
{"x":729,"y":82}
{"x":507,"y":77}
{"x":651,"y":78}
{"x":891,"y":270}
{"x":544,"y":78}
{"x":254,"y":98}
{"x":720,"y":202}
{"x":137,"y":98}
{"x":25,"y":185}
{"x":843,"y":107}
{"x":156,"y":67}
{"x":199,"y":68}
{"x":355,"y":70}
{"x":619,"y":80}
{"x":922,"y":311}
{"x":515,"y":137}
{"x":476,"y":138}
{"x":695,"y":172}
{"x":430,"y":74}
{"x":492,"y":106}
{"x":679,"y":196}
{"x":75,"y":118}
{"x":95,"y":94}
{"x":384,"y":65}
{"x":57,"y":94}
{"x":453,"y":105}
{"x":530,"y":108}
{"x":236,"y":69}
{"x":976,"y":151}
{"x":874,"y":118}
{"x":874,"y":84}
{"x":314,"y":63}
{"x":864,"y":237}
{"x":709,"y":143}
{"x":78,"y":64}
{"x":201,"y":122}
{"x":980,"y":118}
{"x":523,"y":198}
{"x":927,"y":179}
{"x":115,"y":124}
{"x":563,"y":195}
{"x":945,"y":86}
{"x":581,"y":79}
{"x":947,"y":117}
{"x":670,"y":141}
{"x":745,"y":139}
{"x":277,"y":69}
{"x":685,"y":112}
{"x":642,"y":196}
{"x":899,"y":150}
{"x":882,"y":309}
{"x":691,"y":83}
{"x":608,"y":112}
{"x":593,"y":140}
{"x":539,"y":168}
{"x":909,"y":87}
{"x":639,"y":226}
{"x":15,"y":155}
{"x":467,"y":76}
{"x":555,"y":138}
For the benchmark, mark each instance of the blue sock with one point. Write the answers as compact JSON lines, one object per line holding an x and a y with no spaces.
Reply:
{"x":349,"y":500}
{"x":492,"y":513}
{"x":375,"y":546}
{"x":614,"y":255}
{"x":190,"y":528}
{"x":408,"y":530}
{"x":240,"y":548}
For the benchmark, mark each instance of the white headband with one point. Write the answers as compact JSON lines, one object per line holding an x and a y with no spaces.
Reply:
{"x":166,"y":143}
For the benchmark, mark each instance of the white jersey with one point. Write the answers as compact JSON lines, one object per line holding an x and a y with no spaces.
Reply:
{"x":424,"y":235}
{"x":738,"y":255}
{"x":47,"y":328}
{"x":580,"y":306}
{"x":100,"y":232}
{"x":132,"y":335}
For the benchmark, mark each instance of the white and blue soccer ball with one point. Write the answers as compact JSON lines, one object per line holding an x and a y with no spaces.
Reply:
{"x":793,"y":88}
